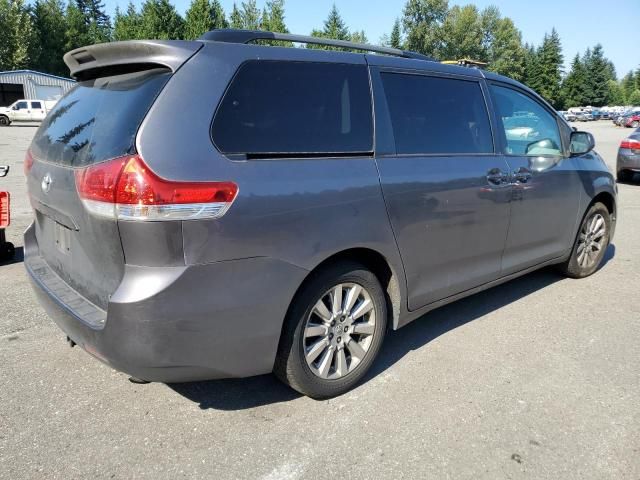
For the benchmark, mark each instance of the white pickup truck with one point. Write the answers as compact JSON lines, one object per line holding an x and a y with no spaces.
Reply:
{"x":23,"y":111}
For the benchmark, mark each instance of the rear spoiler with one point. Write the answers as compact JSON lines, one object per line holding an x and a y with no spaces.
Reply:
{"x":120,"y":57}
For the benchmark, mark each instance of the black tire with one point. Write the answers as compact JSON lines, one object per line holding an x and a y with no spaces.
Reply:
{"x":573,"y":267}
{"x":623,"y":176}
{"x":635,"y":124}
{"x":291,"y":365}
{"x":4,"y":121}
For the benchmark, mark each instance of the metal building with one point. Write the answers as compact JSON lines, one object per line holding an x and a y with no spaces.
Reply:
{"x":28,"y":84}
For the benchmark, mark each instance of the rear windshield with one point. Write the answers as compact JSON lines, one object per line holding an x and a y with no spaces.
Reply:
{"x":98,"y":119}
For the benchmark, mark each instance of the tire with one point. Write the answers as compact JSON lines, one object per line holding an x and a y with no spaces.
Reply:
{"x":581,"y":264}
{"x":635,"y":124}
{"x":4,"y":121}
{"x":623,"y":176}
{"x":303,"y":353}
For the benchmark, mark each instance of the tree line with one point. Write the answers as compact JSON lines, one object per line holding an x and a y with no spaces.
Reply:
{"x":36,"y":36}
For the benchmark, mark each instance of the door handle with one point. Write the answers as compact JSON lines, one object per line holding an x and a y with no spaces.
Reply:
{"x":522,"y":175}
{"x":495,"y":176}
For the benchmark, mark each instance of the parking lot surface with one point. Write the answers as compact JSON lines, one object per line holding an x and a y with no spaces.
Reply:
{"x":537,"y":378}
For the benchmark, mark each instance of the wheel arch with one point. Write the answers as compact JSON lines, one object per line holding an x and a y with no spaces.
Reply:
{"x":373,"y":261}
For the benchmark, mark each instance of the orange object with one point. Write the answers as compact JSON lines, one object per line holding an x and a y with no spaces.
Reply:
{"x":5,"y":217}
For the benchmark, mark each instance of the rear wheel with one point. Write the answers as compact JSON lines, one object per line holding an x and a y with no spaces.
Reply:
{"x":591,"y":242}
{"x":333,"y":332}
{"x":4,"y":121}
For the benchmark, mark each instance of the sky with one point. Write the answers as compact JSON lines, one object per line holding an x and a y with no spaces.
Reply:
{"x":580,"y":23}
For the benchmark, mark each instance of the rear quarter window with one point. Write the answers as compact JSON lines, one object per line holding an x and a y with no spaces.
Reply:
{"x":274,"y":108}
{"x":98,"y":119}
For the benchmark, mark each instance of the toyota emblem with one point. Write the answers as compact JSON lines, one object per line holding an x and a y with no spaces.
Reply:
{"x":46,"y":183}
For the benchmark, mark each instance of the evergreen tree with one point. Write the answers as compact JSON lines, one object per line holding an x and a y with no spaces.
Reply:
{"x":334,"y":28}
{"x":490,"y":19}
{"x":573,"y":86}
{"x":202,"y":16}
{"x":77,"y":33}
{"x":598,"y":74}
{"x":49,"y":27}
{"x":250,"y":15}
{"x":359,"y":37}
{"x":616,"y":94}
{"x":160,"y":20}
{"x":462,"y":35}
{"x":507,"y":56}
{"x":235,"y":18}
{"x":273,"y":17}
{"x":395,"y":40}
{"x":634,"y":98}
{"x":422,"y":21}
{"x":127,"y":26}
{"x":549,"y":68}
{"x":97,"y":22}
{"x":17,"y":35}
{"x":530,"y":65}
{"x":628,"y":84}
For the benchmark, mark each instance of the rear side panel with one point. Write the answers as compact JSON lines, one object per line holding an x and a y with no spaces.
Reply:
{"x":301,"y":211}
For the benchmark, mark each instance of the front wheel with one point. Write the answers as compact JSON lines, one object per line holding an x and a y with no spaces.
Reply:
{"x":590,"y":244}
{"x":4,"y":121}
{"x":635,"y":124}
{"x":333,"y":331}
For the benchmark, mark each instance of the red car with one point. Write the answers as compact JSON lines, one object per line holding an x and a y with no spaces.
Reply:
{"x":633,"y":121}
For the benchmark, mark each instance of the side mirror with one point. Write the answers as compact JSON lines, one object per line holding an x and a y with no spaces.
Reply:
{"x":581,"y":143}
{"x":15,"y":107}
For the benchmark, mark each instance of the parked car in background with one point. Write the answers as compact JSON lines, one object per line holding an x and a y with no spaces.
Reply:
{"x":23,"y":111}
{"x":604,"y":115}
{"x":584,"y":117}
{"x":633,"y":120}
{"x":621,"y":120}
{"x":628,"y":161}
{"x":569,"y":116}
{"x":278,"y":230}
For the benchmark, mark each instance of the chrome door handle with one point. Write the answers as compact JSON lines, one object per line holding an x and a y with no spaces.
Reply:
{"x":495,"y":176}
{"x":522,"y":175}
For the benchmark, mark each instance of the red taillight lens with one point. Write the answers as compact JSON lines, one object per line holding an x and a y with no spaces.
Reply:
{"x":630,"y":143}
{"x":5,"y":216}
{"x":127,"y":189}
{"x":28,"y":162}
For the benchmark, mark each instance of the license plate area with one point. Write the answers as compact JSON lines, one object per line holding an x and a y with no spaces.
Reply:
{"x":62,"y":238}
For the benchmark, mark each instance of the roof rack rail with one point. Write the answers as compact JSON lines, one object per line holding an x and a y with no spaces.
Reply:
{"x":231,"y":35}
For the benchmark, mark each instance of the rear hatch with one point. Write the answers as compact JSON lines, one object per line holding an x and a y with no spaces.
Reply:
{"x":95,"y":122}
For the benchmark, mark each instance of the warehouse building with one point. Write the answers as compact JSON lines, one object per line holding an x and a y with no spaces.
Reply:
{"x":19,"y":84}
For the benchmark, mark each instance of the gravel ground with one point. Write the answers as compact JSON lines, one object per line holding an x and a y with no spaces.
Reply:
{"x":537,"y":378}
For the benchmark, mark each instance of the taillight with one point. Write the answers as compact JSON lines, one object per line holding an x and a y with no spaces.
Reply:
{"x":28,"y":162}
{"x":5,"y":216}
{"x":630,"y":143}
{"x":127,"y":189}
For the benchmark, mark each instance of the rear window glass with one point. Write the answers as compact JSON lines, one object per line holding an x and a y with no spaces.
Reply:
{"x":273,"y":108}
{"x":36,"y":105}
{"x":98,"y":119}
{"x":433,"y":115}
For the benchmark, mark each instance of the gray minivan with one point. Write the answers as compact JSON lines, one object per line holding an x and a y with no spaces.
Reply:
{"x":221,"y":208}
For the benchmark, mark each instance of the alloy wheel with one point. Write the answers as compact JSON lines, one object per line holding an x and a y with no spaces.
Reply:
{"x":339,"y":331}
{"x":592,"y":240}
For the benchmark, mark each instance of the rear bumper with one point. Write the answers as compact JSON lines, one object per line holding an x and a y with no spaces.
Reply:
{"x":627,"y":160}
{"x":177,"y":324}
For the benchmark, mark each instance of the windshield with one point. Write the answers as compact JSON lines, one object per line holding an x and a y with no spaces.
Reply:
{"x":98,"y":119}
